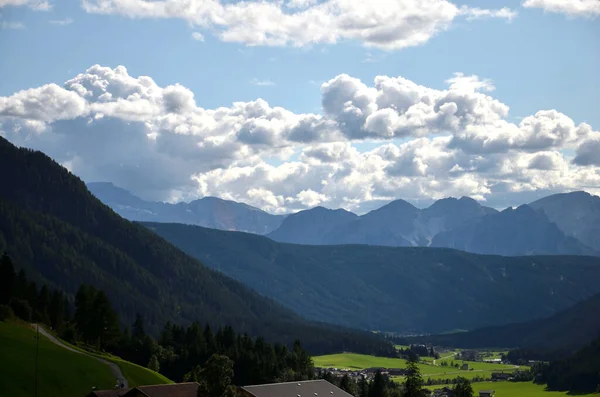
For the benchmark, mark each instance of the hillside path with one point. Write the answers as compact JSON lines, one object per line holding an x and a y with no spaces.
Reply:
{"x":114,"y":368}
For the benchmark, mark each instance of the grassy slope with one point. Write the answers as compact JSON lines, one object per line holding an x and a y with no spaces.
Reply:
{"x":62,"y":373}
{"x":135,"y":374}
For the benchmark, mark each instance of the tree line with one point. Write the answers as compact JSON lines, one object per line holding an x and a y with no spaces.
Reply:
{"x":180,"y":353}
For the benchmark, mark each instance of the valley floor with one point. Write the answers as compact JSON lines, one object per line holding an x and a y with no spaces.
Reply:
{"x":429,"y":371}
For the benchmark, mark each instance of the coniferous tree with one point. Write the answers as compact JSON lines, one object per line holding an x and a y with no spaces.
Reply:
{"x":378,"y":387}
{"x":413,"y":383}
{"x":42,"y":306}
{"x":105,"y":321}
{"x":7,"y":279}
{"x":347,"y":385}
{"x":83,"y":312}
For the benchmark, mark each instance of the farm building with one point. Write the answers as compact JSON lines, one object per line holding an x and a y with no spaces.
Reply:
{"x":487,"y":393}
{"x":307,"y":388}
{"x":464,"y":367}
{"x":501,"y":376}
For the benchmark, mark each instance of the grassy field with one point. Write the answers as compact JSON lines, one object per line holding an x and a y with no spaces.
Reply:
{"x":518,"y":389}
{"x":61,"y":373}
{"x":135,"y":374}
{"x":361,"y":361}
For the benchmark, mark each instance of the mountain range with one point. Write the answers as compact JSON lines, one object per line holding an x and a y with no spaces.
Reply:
{"x":63,"y":236}
{"x":564,"y":224}
{"x":402,"y":289}
{"x":210,"y":212}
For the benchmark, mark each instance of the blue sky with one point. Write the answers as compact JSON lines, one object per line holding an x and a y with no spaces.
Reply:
{"x":539,"y":59}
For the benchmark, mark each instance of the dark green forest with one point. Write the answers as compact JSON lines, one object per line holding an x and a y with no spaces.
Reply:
{"x":579,"y":373}
{"x":180,"y":353}
{"x":555,"y":333}
{"x":418,"y":290}
{"x":63,"y":236}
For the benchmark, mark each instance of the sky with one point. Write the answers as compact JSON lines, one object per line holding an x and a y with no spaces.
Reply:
{"x":290,"y":104}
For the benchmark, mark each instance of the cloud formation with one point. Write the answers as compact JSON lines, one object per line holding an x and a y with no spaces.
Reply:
{"x":37,"y":5}
{"x":574,"y":8}
{"x":385,"y":24}
{"x":106,"y":125}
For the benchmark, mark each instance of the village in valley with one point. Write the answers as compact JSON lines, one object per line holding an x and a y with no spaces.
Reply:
{"x":440,"y":368}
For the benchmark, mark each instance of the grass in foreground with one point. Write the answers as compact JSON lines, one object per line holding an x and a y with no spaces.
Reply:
{"x":135,"y":374}
{"x":62,"y":373}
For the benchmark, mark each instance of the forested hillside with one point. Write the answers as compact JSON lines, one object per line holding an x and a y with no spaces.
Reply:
{"x":53,"y":227}
{"x":394,"y":289}
{"x":578,"y":374}
{"x":566,"y":331}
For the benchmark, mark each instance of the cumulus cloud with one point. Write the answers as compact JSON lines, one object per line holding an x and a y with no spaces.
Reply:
{"x":61,"y":22}
{"x":261,"y":83}
{"x":386,"y":24}
{"x":588,"y":153}
{"x":6,"y":25}
{"x":574,"y":8}
{"x":197,"y":36}
{"x":107,"y":125}
{"x":37,"y":5}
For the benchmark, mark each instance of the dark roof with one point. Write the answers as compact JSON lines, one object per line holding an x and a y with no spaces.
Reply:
{"x":189,"y":389}
{"x":308,"y":388}
{"x":108,"y":393}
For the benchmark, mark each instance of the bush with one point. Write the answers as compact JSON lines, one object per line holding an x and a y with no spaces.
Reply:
{"x":21,"y":308}
{"x":6,"y":312}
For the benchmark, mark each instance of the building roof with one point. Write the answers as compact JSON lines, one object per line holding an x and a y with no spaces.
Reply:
{"x":108,"y":393}
{"x":308,"y":388}
{"x":189,"y":389}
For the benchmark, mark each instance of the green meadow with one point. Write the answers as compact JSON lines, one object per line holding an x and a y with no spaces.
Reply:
{"x":518,"y":389}
{"x":61,"y":373}
{"x":362,"y":361}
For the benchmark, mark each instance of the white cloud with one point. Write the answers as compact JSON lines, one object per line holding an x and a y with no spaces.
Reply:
{"x":263,"y":83}
{"x":479,"y":13}
{"x":574,"y":8}
{"x":37,"y":5}
{"x":386,"y":24}
{"x":11,"y":25}
{"x":61,"y":22}
{"x":197,"y":36}
{"x":107,"y":125}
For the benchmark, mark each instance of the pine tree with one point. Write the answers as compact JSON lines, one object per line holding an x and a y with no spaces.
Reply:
{"x":137,"y":330}
{"x":83,"y":312}
{"x":347,"y":385}
{"x":378,"y":387}
{"x":105,"y":321}
{"x":7,"y":279}
{"x":413,"y":384}
{"x":363,"y":387}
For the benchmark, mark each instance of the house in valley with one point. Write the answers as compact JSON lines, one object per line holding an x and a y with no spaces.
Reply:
{"x":487,"y":393}
{"x":501,"y":376}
